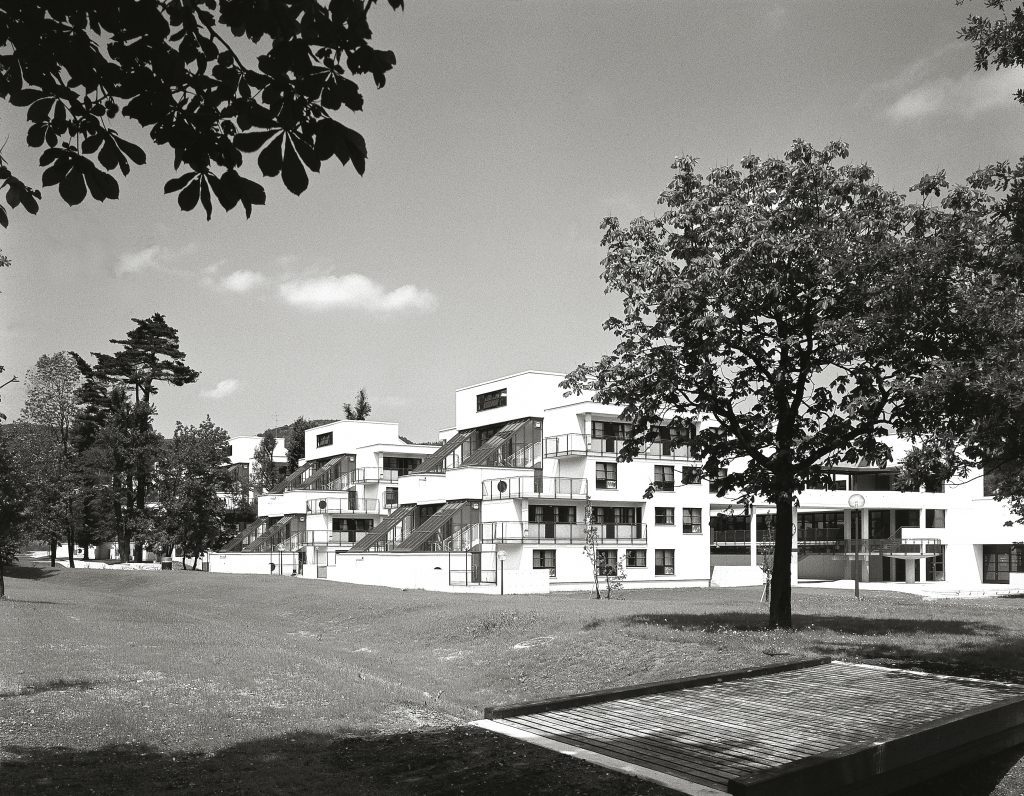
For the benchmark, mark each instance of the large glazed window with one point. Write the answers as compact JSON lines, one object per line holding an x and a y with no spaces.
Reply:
{"x":491,"y":400}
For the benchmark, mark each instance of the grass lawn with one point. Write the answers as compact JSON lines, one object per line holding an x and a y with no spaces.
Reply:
{"x":129,"y":682}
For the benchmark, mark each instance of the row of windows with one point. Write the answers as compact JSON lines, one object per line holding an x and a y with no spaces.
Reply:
{"x":608,"y":561}
{"x":666,"y":515}
{"x":607,"y":476}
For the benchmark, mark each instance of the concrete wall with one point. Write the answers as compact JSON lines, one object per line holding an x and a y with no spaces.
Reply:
{"x":428,"y":571}
{"x":349,"y":435}
{"x":528,"y":395}
{"x":253,"y":563}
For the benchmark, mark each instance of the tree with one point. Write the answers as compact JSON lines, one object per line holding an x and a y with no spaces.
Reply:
{"x":790,"y":309}
{"x":360,"y":410}
{"x":12,"y":508}
{"x":51,"y":402}
{"x":150,"y":353}
{"x":192,"y":474}
{"x":999,"y":43}
{"x":215,"y":81}
{"x":264,"y":474}
{"x":295,"y":441}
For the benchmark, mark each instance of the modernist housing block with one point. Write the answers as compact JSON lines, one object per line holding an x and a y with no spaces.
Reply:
{"x":501,"y":505}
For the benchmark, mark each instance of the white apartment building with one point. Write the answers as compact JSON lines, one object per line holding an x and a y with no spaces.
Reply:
{"x":347,"y":483}
{"x":500,"y":506}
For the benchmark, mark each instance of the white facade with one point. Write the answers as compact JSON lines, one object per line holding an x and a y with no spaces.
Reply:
{"x":347,"y":483}
{"x":501,"y":506}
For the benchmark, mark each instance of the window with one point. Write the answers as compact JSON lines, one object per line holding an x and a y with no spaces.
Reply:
{"x":664,"y":478}
{"x":399,"y":465}
{"x":664,"y":562}
{"x":608,"y":562}
{"x":607,"y":475}
{"x":664,"y":515}
{"x":712,"y":486}
{"x":878,"y":524}
{"x":934,"y":518}
{"x":391,"y":496}
{"x":604,"y":429}
{"x":540,"y":513}
{"x":491,"y":400}
{"x":544,"y":559}
{"x":692,"y":522}
{"x":345,"y":530}
{"x":689,"y":475}
{"x":636,"y":558}
{"x":323,"y":440}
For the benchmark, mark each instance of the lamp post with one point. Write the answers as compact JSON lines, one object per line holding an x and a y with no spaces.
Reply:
{"x":501,"y":558}
{"x":856,"y":501}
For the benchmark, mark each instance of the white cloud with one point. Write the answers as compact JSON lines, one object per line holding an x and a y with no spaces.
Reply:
{"x":223,"y":389}
{"x":133,"y":262}
{"x":969,"y":94}
{"x":354,"y":291}
{"x":242,"y":281}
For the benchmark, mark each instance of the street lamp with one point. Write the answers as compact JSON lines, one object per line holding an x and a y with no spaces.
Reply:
{"x":856,"y":501}
{"x":502,"y":555}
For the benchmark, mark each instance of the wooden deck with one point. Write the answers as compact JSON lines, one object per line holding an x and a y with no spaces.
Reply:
{"x":806,"y":728}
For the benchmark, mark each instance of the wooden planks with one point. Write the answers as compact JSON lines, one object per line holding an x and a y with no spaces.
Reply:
{"x":808,"y":727}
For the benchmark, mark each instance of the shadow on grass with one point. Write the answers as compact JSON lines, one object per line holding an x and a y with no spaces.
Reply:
{"x":990,"y":659}
{"x":853,"y":625}
{"x":51,"y":685}
{"x":30,"y":571}
{"x":459,"y":760}
{"x":456,"y":760}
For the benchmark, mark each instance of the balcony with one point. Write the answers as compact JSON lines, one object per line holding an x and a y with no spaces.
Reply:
{"x":560,"y":533}
{"x":585,"y":445}
{"x":343,"y":506}
{"x":367,"y":475}
{"x":527,"y":487}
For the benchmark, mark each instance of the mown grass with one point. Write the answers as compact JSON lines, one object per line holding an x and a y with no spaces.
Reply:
{"x":283,"y":681}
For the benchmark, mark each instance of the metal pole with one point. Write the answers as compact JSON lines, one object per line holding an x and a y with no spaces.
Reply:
{"x":503,"y":576}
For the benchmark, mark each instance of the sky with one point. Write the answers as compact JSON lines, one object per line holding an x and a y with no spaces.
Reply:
{"x":470,"y":249}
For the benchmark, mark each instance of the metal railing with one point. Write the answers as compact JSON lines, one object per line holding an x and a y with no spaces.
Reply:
{"x":534,"y":487}
{"x":585,"y":445}
{"x":472,"y":568}
{"x":540,"y":533}
{"x":343,"y":506}
{"x":366,"y":475}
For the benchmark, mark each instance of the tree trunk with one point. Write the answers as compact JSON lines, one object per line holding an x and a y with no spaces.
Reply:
{"x":2,"y":591}
{"x":195,"y":562}
{"x":780,"y":610}
{"x":71,"y":537}
{"x":71,"y":548}
{"x":53,"y":552}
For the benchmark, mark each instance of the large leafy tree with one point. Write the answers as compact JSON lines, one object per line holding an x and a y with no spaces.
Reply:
{"x":12,"y":506}
{"x":998,"y":39}
{"x":191,"y":474}
{"x":51,"y":404}
{"x":791,"y":308}
{"x":216,"y":81}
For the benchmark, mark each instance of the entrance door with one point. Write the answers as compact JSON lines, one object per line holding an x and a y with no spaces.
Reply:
{"x":995,"y":563}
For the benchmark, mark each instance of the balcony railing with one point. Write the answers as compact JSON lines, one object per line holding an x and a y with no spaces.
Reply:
{"x":367,"y":475}
{"x":585,"y":445}
{"x":541,"y":533}
{"x":527,"y":487}
{"x":343,"y":506}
